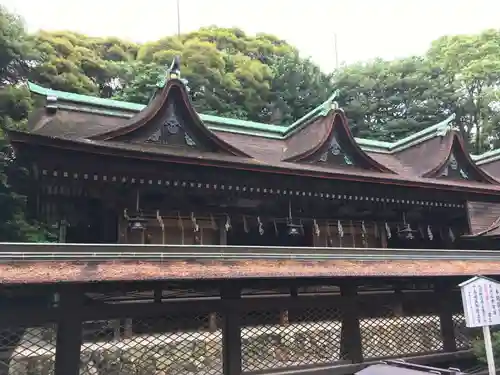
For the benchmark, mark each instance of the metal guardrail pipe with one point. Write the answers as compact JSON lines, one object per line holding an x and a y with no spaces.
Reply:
{"x":107,"y":252}
{"x":140,"y":248}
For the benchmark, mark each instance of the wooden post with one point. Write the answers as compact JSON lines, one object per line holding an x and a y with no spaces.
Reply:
{"x":122,"y":230}
{"x":284,"y":318}
{"x":62,"y":231}
{"x":444,"y":298}
{"x":128,"y":330}
{"x":69,"y":332}
{"x":116,"y":329}
{"x":383,"y":237}
{"x":222,"y":233}
{"x":212,"y":322}
{"x":350,"y":340}
{"x":231,"y":332}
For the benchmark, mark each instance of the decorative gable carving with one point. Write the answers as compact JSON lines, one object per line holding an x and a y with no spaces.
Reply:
{"x":453,"y":170}
{"x":335,"y":154}
{"x":171,"y":131}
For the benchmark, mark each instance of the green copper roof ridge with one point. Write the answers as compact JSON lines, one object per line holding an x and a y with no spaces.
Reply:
{"x":414,"y":138}
{"x":243,"y":132}
{"x":409,"y":140}
{"x":234,"y":122}
{"x":374,"y":143}
{"x":87,"y":99}
{"x":117,"y":104}
{"x":322,"y":110}
{"x":486,"y":157}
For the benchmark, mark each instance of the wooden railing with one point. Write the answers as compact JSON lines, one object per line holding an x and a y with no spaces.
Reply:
{"x":147,"y":328}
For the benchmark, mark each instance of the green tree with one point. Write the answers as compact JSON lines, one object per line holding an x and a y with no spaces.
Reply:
{"x":472,"y":64}
{"x":13,"y":48}
{"x":138,"y":81}
{"x":231,"y":74}
{"x":15,"y":103}
{"x":480,"y":352}
{"x":14,"y":226}
{"x":388,"y":100}
{"x":74,"y":62}
{"x":298,"y":85}
{"x":226,"y":73}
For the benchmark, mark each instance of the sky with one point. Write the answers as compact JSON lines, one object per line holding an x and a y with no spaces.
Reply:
{"x":365,"y":29}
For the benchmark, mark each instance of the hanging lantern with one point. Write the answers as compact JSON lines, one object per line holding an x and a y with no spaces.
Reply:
{"x":293,"y":228}
{"x":406,"y":233}
{"x":137,"y":223}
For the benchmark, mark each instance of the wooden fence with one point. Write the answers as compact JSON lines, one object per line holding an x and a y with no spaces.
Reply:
{"x":230,"y":327}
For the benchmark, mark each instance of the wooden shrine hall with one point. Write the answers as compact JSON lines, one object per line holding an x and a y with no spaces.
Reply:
{"x":112,"y":172}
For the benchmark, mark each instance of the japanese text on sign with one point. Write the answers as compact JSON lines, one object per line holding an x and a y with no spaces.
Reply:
{"x":481,"y":300}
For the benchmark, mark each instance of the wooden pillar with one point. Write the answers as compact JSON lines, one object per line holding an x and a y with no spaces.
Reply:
{"x":350,"y":341}
{"x":383,"y":236}
{"x":444,"y":298}
{"x":62,"y":231}
{"x":212,"y":322}
{"x":116,"y":329}
{"x":122,"y":230}
{"x":158,"y":294}
{"x":222,"y":232}
{"x":69,"y":331}
{"x":128,"y":330}
{"x":231,"y":331}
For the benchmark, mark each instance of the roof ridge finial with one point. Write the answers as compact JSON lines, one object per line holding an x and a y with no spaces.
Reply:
{"x":330,"y":104}
{"x":175,"y":68}
{"x":445,"y":126}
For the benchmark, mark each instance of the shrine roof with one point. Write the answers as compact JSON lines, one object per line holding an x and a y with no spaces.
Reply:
{"x":320,"y":142}
{"x":128,"y":109}
{"x":53,"y":271}
{"x":184,"y":156}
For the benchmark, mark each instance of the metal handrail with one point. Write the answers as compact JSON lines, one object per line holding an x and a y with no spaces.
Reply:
{"x":104,"y":252}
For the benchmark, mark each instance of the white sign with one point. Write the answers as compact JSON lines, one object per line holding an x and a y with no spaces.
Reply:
{"x":481,"y":301}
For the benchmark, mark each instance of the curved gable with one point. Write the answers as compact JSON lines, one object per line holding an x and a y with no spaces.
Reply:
{"x":170,"y":120}
{"x":442,"y":156}
{"x":427,"y":156}
{"x":328,"y":141}
{"x":458,"y":165}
